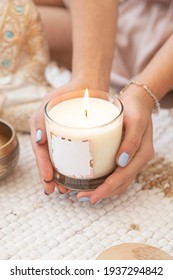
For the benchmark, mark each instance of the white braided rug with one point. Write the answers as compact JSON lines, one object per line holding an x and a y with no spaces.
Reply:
{"x":36,"y":226}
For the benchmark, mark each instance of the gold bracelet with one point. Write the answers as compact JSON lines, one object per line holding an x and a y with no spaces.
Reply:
{"x":157,"y":104}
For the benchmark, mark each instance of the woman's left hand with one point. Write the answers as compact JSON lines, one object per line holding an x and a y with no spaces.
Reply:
{"x":135,"y":151}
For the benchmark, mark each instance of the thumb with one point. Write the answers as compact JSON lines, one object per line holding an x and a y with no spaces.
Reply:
{"x":40,"y":148}
{"x":37,"y":127}
{"x":129,"y":146}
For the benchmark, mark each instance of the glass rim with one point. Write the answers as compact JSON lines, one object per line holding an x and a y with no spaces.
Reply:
{"x":12,"y":141}
{"x":85,"y":128}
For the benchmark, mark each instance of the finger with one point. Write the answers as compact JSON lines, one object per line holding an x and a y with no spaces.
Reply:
{"x":62,"y":189}
{"x":122,"y":177}
{"x":40,"y":147}
{"x":115,"y":184}
{"x":49,"y":187}
{"x":45,"y":167}
{"x":88,"y":196}
{"x":131,"y":141}
{"x":37,"y":128}
{"x":41,"y":152}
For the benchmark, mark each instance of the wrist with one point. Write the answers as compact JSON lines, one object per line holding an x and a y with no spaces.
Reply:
{"x":136,"y":95}
{"x":143,"y":90}
{"x":88,"y":79}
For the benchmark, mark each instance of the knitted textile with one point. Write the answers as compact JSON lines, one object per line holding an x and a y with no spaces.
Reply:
{"x":36,"y":226}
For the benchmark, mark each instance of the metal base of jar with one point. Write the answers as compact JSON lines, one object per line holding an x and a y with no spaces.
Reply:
{"x":79,"y":184}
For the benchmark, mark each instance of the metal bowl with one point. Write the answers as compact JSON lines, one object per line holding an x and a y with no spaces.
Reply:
{"x":9,"y":149}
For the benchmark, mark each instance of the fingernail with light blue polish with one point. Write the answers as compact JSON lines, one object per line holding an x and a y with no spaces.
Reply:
{"x":73,"y":193}
{"x":123,"y":159}
{"x":84,"y":199}
{"x":38,"y":135}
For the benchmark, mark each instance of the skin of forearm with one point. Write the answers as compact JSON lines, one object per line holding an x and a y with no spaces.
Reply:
{"x":93,"y":31}
{"x":58,"y":3}
{"x":158,"y":75}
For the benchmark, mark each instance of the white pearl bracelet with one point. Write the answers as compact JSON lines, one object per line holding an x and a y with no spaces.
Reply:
{"x":132,"y":82}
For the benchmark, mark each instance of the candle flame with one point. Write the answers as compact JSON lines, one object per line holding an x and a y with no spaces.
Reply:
{"x":86,"y":103}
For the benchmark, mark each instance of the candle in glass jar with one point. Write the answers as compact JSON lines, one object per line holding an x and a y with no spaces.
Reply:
{"x":83,"y":140}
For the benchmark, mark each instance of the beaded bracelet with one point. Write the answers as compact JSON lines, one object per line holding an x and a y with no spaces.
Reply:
{"x":157,"y":104}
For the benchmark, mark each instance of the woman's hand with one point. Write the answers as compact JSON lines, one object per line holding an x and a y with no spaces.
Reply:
{"x":39,"y":138}
{"x":92,"y":56}
{"x":135,"y":151}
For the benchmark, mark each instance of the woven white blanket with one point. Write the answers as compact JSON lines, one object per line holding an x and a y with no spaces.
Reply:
{"x":36,"y":226}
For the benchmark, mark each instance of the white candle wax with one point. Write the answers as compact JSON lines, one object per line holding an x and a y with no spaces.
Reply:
{"x":72,"y":114}
{"x":75,"y":139}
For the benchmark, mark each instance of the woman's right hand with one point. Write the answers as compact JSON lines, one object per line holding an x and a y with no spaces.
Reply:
{"x":39,"y":138}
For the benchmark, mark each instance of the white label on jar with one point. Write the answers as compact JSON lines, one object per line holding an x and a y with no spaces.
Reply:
{"x":71,"y":157}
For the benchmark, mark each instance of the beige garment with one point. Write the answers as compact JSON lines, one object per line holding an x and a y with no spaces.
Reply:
{"x":23,"y":58}
{"x":23,"y":50}
{"x":143,"y":27}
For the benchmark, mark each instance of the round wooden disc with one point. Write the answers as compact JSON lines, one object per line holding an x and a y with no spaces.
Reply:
{"x":133,"y":251}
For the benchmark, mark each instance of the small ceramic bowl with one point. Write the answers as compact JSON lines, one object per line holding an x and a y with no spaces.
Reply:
{"x":9,"y":149}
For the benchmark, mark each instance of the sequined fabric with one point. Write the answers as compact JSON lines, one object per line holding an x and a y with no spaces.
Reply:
{"x":24,"y":57}
{"x":22,"y":44}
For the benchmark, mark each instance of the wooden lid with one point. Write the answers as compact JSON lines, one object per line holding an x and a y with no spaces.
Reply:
{"x":133,"y":251}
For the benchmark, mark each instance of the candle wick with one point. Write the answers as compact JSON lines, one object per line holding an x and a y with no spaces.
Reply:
{"x":86,"y":113}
